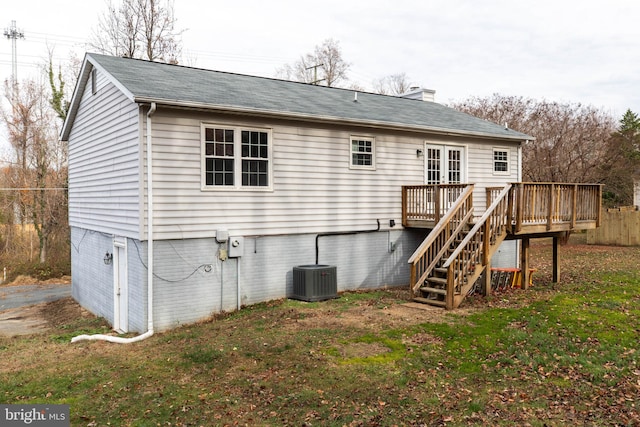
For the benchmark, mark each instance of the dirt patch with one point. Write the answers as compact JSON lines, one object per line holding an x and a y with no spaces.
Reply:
{"x":422,"y":339}
{"x":62,"y":312}
{"x":372,"y":317}
{"x":38,"y":318}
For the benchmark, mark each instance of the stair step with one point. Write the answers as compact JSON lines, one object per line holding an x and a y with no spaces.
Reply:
{"x":438,"y":280}
{"x":430,"y":301}
{"x":440,"y":270}
{"x":434,"y":290}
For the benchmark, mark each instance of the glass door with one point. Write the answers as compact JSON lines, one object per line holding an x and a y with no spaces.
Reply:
{"x":444,"y":164}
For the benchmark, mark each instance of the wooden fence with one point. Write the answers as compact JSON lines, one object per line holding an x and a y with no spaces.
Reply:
{"x":619,"y":227}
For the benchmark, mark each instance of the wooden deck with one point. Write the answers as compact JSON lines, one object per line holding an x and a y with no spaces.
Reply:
{"x":534,"y":207}
{"x":459,"y":248}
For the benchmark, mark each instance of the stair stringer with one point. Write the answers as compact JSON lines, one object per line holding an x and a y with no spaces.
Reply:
{"x":437,"y":244}
{"x":467,"y":263}
{"x":477,"y":272}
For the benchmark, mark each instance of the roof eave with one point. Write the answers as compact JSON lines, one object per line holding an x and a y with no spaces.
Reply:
{"x":332,"y":119}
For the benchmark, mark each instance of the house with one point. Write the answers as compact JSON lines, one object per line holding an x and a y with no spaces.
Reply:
{"x":249,"y":177}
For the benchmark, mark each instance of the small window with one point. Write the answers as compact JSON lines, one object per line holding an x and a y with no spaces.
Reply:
{"x":500,"y":161}
{"x":362,"y":153}
{"x":236,"y":157}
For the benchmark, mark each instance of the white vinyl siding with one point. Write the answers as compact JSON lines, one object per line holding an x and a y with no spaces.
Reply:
{"x":104,"y":179}
{"x":480,"y":167}
{"x":313,"y":191}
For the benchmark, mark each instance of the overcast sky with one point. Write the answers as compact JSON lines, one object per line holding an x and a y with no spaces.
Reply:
{"x":578,"y":51}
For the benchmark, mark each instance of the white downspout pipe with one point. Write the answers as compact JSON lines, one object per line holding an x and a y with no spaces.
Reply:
{"x":119,"y":340}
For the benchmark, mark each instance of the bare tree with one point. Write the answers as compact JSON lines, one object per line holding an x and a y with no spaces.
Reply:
{"x":572,"y":140}
{"x":139,"y":29}
{"x":40,"y":167}
{"x":393,"y":84}
{"x":324,"y":66}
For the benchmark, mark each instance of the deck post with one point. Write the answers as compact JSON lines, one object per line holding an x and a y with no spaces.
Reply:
{"x":487,"y":280}
{"x":404,"y":206}
{"x":524,"y":264}
{"x":519,"y":207}
{"x":510,"y":214}
{"x":413,"y":279}
{"x":486,"y":241}
{"x":556,"y":259}
{"x":436,"y":209}
{"x":599,"y":208}
{"x":574,"y":206}
{"x":449,"y":297}
{"x":551,"y":207}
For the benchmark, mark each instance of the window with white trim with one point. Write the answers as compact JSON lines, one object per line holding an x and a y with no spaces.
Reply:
{"x":362,"y":153}
{"x":501,"y":161}
{"x":236,"y":157}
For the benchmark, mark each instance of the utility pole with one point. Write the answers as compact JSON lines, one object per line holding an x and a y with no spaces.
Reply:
{"x":315,"y":73}
{"x":14,"y":34}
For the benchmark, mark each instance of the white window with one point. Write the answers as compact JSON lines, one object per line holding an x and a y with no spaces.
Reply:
{"x":501,"y":161}
{"x":362,"y":153}
{"x":236,"y":157}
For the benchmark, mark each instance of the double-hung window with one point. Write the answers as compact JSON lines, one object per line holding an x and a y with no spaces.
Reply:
{"x":501,"y":161}
{"x":362,"y":153}
{"x":236,"y":157}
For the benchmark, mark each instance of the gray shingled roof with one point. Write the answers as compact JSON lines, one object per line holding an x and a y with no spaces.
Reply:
{"x":184,"y":86}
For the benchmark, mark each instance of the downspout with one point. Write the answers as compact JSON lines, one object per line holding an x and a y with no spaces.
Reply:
{"x":119,"y":340}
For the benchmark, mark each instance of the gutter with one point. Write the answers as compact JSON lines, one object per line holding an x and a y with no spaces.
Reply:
{"x":519,"y":137}
{"x":119,"y":340}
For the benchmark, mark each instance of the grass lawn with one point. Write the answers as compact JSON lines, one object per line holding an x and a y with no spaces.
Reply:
{"x":554,"y":355}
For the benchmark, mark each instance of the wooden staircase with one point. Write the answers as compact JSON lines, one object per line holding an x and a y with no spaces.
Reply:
{"x":446,"y":266}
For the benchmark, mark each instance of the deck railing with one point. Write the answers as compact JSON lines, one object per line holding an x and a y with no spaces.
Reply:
{"x":427,"y":255}
{"x":521,"y":210}
{"x":428,"y":202}
{"x":551,"y":206}
{"x":534,"y":206}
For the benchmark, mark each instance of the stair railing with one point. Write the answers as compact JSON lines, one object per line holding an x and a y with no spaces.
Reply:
{"x":472,"y":255}
{"x":451,"y":224}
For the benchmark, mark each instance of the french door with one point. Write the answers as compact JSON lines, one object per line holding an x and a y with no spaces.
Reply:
{"x":444,"y":164}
